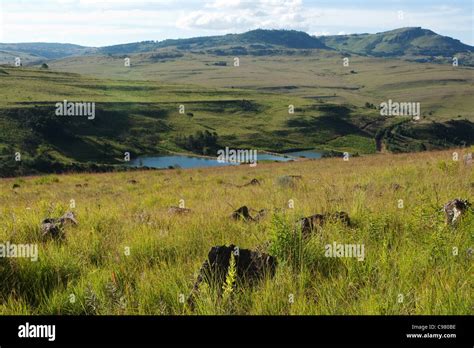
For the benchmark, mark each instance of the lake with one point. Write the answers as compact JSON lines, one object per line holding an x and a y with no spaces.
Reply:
{"x":185,"y":161}
{"x":306,"y":154}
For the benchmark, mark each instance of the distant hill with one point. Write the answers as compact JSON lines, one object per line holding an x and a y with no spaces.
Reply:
{"x":399,"y":42}
{"x":47,"y":50}
{"x":254,"y":40}
{"x":408,"y":43}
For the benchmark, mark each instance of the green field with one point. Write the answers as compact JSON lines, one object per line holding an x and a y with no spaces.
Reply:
{"x":129,"y":255}
{"x":247,"y":106}
{"x":414,"y":263}
{"x":272,"y":90}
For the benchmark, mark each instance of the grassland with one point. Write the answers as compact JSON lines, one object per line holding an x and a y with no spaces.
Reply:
{"x":142,"y":117}
{"x":441,"y":89}
{"x":138,"y":106}
{"x":408,"y":251}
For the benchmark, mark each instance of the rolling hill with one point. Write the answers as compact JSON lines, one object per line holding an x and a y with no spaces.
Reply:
{"x":43,"y":50}
{"x":142,"y":116}
{"x":405,"y":42}
{"x":255,"y":41}
{"x":130,"y":254}
{"x":259,"y":42}
{"x":336,"y":107}
{"x":398,"y":43}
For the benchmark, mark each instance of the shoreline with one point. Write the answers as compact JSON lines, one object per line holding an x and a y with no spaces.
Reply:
{"x":131,"y":169}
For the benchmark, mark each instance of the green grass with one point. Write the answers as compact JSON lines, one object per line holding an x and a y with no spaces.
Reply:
{"x":319,"y":74}
{"x":408,"y":251}
{"x":142,"y":118}
{"x":137,"y":107}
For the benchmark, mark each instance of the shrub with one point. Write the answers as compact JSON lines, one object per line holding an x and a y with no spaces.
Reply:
{"x":286,"y":242}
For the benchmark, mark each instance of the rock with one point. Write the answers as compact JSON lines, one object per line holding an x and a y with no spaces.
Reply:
{"x":455,"y":209}
{"x":178,"y":210}
{"x":253,"y":182}
{"x":309,"y":224}
{"x":339,"y":216}
{"x":53,"y":227}
{"x":242,"y":214}
{"x":251,"y":267}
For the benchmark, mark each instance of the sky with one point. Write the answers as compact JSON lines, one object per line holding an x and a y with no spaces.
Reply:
{"x":109,"y":22}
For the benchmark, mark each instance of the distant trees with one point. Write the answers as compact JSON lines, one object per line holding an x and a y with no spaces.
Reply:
{"x":204,"y":143}
{"x":44,"y":66}
{"x":43,"y":121}
{"x":370,"y":106}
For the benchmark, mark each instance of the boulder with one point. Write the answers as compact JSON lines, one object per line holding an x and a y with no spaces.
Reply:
{"x":242,"y":214}
{"x":253,"y":182}
{"x":53,"y":227}
{"x":251,"y":267}
{"x":310,"y":223}
{"x":455,"y":209}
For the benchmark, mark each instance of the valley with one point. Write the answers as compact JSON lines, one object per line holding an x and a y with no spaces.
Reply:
{"x":353,"y":197}
{"x":287,"y":92}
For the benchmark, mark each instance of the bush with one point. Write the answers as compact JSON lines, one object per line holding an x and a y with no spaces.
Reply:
{"x":286,"y":242}
{"x":203,"y":143}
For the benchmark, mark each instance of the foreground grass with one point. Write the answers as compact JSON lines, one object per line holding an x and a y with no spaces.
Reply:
{"x":409,"y":266}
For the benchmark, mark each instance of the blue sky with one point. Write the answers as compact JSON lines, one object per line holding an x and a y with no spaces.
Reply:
{"x":107,"y":22}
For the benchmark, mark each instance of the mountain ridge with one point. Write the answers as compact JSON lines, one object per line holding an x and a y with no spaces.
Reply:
{"x":409,"y":41}
{"x":414,"y":41}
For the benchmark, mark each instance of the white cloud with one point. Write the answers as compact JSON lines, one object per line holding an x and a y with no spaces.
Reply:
{"x":103,"y":22}
{"x":320,"y":33}
{"x":239,"y":15}
{"x":224,"y":4}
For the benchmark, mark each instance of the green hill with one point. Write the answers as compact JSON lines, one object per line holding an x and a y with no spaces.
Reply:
{"x":46,"y":50}
{"x":257,"y":39}
{"x":397,"y":43}
{"x":404,"y":42}
{"x":336,"y":107}
{"x":142,"y":117}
